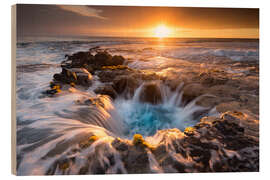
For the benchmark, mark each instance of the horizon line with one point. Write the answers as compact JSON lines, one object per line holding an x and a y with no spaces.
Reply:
{"x":149,"y":37}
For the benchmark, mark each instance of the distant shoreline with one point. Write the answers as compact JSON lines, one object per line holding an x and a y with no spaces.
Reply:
{"x":87,"y":38}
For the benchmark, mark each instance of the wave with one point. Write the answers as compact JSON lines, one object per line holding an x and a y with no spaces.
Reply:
{"x":53,"y":133}
{"x":44,"y":138}
{"x":191,"y":53}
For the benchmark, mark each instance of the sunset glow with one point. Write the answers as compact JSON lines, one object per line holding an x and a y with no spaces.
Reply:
{"x":162,"y":31}
{"x":158,"y":22}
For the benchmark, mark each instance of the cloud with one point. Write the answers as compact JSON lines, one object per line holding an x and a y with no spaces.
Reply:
{"x":83,"y":10}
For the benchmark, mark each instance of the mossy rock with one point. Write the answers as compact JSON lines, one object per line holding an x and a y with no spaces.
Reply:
{"x":64,"y":166}
{"x":140,"y":142}
{"x":86,"y":143}
{"x":117,"y":67}
{"x":189,"y":131}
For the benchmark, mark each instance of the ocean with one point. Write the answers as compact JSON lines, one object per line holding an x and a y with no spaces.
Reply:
{"x":47,"y":127}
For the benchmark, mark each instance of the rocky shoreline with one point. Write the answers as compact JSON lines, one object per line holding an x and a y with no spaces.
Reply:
{"x":227,"y":143}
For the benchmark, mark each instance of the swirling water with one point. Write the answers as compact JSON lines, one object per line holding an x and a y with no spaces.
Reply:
{"x":47,"y":128}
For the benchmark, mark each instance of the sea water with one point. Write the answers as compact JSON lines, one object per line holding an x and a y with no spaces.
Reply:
{"x":45,"y":124}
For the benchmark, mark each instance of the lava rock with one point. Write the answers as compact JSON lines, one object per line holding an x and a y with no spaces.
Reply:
{"x":151,"y":93}
{"x":59,"y":77}
{"x":211,"y":79}
{"x":80,"y":58}
{"x":120,"y":145}
{"x":106,"y":75}
{"x":103,"y":59}
{"x":106,"y":90}
{"x":126,"y":84}
{"x":91,"y":62}
{"x":78,"y":76}
{"x":136,"y":161}
{"x":191,"y":91}
{"x":117,"y":60}
{"x":228,"y":106}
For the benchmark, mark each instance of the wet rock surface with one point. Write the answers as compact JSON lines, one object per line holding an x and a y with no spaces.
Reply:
{"x":151,"y":93}
{"x":106,"y":90}
{"x":79,"y":76}
{"x":118,"y":79}
{"x":228,"y":142}
{"x":219,"y":144}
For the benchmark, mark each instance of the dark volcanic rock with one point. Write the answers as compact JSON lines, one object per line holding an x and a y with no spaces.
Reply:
{"x":109,"y":73}
{"x":80,"y":58}
{"x":78,"y":76}
{"x":106,"y":75}
{"x":120,"y":145}
{"x":106,"y":90}
{"x":211,"y":79}
{"x":125,"y":84}
{"x":227,"y":143}
{"x":151,"y":93}
{"x":54,"y":89}
{"x":91,"y":62}
{"x":103,"y":59}
{"x":216,"y":144}
{"x":106,"y":59}
{"x":136,"y":160}
{"x":118,"y":60}
{"x":191,"y":91}
{"x":59,"y":77}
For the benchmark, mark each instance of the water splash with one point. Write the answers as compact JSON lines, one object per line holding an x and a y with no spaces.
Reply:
{"x":42,"y":144}
{"x":51,"y":131}
{"x":146,"y":118}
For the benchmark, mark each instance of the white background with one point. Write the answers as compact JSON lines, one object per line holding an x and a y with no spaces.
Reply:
{"x":5,"y":86}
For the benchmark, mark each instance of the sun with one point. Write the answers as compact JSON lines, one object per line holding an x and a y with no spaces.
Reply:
{"x":162,"y":31}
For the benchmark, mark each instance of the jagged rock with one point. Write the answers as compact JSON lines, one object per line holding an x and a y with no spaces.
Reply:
{"x":223,"y":91}
{"x":106,"y":75}
{"x":211,"y":79}
{"x":246,"y":119}
{"x":147,"y":76}
{"x":191,"y":91}
{"x":77,"y":60}
{"x":59,"y":77}
{"x":100,"y":100}
{"x":151,"y":93}
{"x":209,"y":101}
{"x":89,"y":68}
{"x":55,"y":88}
{"x":106,"y":90}
{"x":215,"y":144}
{"x":78,"y":76}
{"x":90,"y":62}
{"x":136,"y":160}
{"x":250,"y":102}
{"x":120,"y":145}
{"x":228,"y":106}
{"x":103,"y":59}
{"x":117,"y":60}
{"x":106,"y":59}
{"x":126,"y":84}
{"x":208,"y":119}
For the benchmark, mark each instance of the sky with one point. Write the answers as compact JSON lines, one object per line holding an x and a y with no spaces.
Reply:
{"x":130,"y":21}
